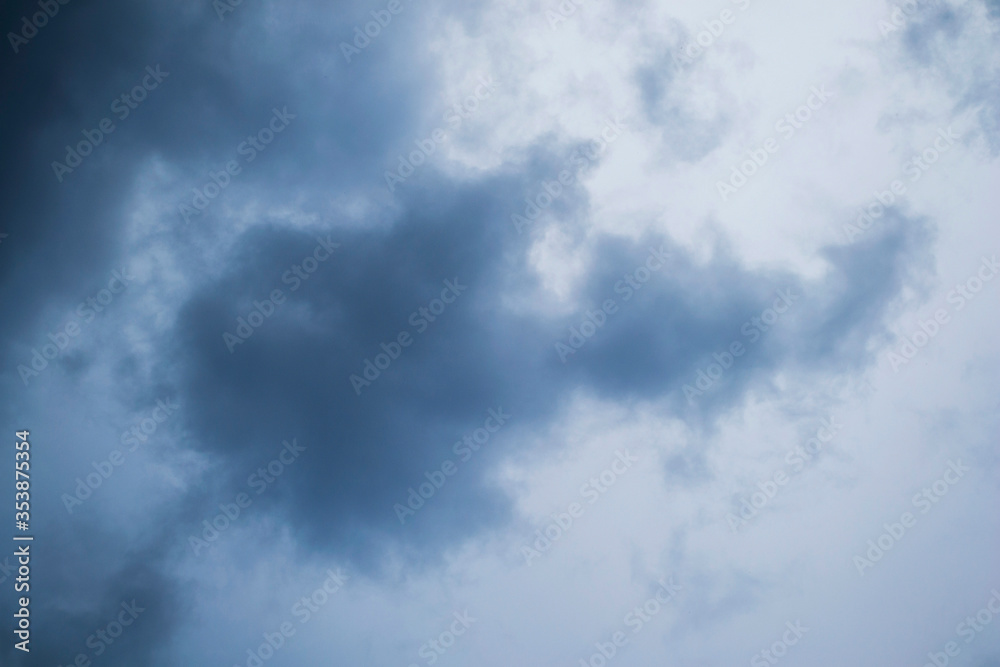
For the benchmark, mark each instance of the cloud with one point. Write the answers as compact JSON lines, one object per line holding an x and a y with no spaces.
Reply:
{"x":305,"y":303}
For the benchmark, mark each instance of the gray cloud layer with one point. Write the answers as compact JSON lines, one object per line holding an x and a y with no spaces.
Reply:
{"x":290,"y":378}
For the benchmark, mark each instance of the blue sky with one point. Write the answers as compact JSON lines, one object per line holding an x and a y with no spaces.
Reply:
{"x":406,"y":333}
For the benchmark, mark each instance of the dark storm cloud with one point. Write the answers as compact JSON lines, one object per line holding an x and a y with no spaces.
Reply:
{"x":96,"y":596}
{"x":61,"y":236}
{"x":291,"y":378}
{"x":223,"y":79}
{"x":220,"y":82}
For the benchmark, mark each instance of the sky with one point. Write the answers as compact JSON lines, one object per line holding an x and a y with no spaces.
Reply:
{"x":502,"y":333}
